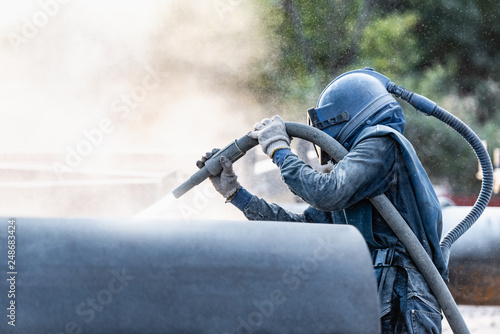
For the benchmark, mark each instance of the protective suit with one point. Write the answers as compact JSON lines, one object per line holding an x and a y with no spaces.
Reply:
{"x":380,"y":160}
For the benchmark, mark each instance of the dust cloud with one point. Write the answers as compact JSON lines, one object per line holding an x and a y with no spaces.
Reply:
{"x":106,"y":105}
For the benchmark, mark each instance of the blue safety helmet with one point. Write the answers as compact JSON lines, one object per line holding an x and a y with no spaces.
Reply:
{"x":350,"y":103}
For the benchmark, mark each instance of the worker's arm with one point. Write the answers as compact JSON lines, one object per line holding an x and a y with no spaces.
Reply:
{"x":366,"y":171}
{"x":256,"y":208}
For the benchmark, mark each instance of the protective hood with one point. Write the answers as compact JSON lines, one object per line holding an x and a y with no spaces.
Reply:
{"x":353,"y":101}
{"x":429,"y":225}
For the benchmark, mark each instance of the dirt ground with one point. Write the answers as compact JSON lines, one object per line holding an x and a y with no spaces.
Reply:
{"x":479,"y":319}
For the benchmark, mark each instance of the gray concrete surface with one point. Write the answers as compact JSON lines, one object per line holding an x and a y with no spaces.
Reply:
{"x":138,"y":276}
{"x":479,"y":319}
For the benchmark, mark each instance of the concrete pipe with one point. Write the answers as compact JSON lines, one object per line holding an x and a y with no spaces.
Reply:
{"x":475,"y":257}
{"x":136,"y":276}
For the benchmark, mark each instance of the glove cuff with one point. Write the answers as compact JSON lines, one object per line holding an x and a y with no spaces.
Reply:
{"x":277,"y":145}
{"x":267,"y":142}
{"x":232,"y":195}
{"x":229,"y":187}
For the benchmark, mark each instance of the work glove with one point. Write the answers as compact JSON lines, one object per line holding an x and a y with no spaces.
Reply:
{"x":226,"y":183}
{"x":271,"y":134}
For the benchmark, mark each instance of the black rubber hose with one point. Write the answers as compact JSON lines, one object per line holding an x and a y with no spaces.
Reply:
{"x":233,"y":152}
{"x":380,"y":202}
{"x":399,"y":226}
{"x":431,"y":108}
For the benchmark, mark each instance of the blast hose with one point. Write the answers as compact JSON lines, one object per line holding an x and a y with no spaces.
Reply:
{"x":429,"y":107}
{"x":380,"y":202}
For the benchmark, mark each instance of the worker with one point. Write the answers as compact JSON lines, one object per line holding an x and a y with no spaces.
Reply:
{"x":357,"y":111}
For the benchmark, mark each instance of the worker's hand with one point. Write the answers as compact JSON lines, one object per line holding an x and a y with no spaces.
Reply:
{"x":226,"y":183}
{"x":271,"y":134}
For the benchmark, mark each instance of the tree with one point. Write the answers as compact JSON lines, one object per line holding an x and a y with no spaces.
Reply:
{"x":446,"y":49}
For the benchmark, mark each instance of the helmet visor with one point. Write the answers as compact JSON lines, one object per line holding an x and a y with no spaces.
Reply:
{"x":323,"y":157}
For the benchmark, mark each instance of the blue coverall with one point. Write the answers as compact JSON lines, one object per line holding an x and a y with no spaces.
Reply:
{"x":380,"y":161}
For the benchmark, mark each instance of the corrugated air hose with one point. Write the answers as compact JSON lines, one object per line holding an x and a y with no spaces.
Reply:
{"x":430,"y":108}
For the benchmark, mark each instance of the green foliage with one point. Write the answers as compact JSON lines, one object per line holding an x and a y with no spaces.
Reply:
{"x":447,"y":50}
{"x":307,"y":53}
{"x":447,"y":158}
{"x":390,"y":44}
{"x":469,"y":33}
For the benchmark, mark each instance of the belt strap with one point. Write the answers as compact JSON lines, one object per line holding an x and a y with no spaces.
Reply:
{"x":386,"y":257}
{"x":383,"y":257}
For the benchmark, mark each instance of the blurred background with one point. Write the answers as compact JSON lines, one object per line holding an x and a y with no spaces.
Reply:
{"x":106,"y":105}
